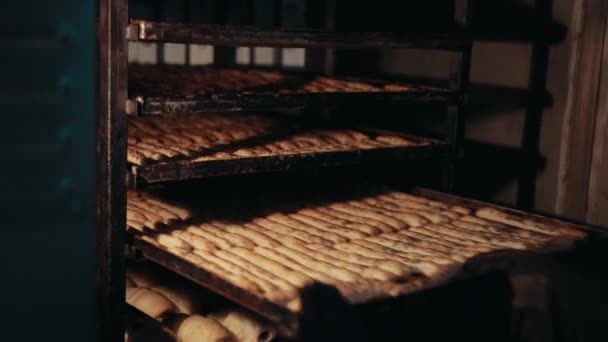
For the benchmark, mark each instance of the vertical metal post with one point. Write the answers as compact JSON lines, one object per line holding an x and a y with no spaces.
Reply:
{"x":111,"y":166}
{"x":321,"y":15}
{"x":330,"y":24}
{"x":459,"y":80}
{"x":526,"y":194}
{"x":160,"y":47}
{"x":277,"y":58}
{"x":223,"y":56}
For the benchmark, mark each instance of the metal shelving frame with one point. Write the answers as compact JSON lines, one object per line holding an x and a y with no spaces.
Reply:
{"x":114,"y":31}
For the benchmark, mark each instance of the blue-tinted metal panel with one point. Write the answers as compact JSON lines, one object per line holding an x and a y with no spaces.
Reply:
{"x":47,"y":173}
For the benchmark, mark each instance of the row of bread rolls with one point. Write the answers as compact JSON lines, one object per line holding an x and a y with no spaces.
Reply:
{"x":168,"y":79}
{"x":180,"y":306}
{"x":206,"y":137}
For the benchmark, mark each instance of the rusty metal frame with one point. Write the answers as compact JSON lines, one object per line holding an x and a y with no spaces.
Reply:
{"x":459,"y":81}
{"x":111,"y":166}
{"x":225,"y":35}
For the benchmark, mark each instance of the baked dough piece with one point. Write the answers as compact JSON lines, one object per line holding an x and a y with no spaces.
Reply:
{"x":455,"y":244}
{"x":529,"y":224}
{"x":246,"y":326}
{"x":197,"y":242}
{"x":295,"y":232}
{"x":432,"y":214}
{"x":376,"y":251}
{"x":369,"y":214}
{"x":181,"y":213}
{"x":149,"y":301}
{"x":173,"y":241}
{"x":410,"y":254}
{"x":410,"y":218}
{"x":218,"y":228}
{"x":412,"y":198}
{"x":204,"y":232}
{"x":383,"y":227}
{"x":258,"y":273}
{"x":496,"y":242}
{"x":500,"y":228}
{"x":397,"y":269}
{"x":324,"y":254}
{"x":296,"y":265}
{"x":338,"y":225}
{"x":294,"y":278}
{"x":280,"y":238}
{"x":241,"y":277}
{"x":303,"y":222}
{"x":324,"y":267}
{"x":257,"y":238}
{"x":201,"y":329}
{"x":524,"y":239}
{"x":432,"y":246}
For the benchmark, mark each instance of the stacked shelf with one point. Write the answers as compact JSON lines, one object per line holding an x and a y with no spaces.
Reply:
{"x":426,"y":239}
{"x":181,"y":128}
{"x":196,"y":146}
{"x":403,"y":241}
{"x":151,"y":31}
{"x":164,"y":89}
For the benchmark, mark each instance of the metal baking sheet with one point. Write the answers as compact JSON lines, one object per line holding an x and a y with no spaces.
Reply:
{"x":185,"y":169}
{"x":318,"y":298}
{"x":548,"y":219}
{"x":286,"y":321}
{"x":165,"y":89}
{"x":223,"y":35}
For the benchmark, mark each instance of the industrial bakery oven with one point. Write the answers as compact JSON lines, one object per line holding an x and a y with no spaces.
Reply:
{"x":255,"y":160}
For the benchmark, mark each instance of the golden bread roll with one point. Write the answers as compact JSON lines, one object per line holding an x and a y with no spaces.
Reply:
{"x":201,"y":329}
{"x":246,"y":326}
{"x":184,"y":298}
{"x":149,"y":301}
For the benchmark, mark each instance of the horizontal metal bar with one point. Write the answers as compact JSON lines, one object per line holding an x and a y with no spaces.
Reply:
{"x":223,"y":35}
{"x":167,"y":89}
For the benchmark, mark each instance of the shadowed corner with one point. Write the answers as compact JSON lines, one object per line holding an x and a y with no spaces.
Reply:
{"x":326,"y":316}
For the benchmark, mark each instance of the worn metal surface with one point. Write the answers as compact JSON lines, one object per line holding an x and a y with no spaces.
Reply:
{"x":191,"y":89}
{"x":221,"y":35}
{"x":111,"y":166}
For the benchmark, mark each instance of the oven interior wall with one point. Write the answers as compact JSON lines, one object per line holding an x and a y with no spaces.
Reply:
{"x":47,"y":169}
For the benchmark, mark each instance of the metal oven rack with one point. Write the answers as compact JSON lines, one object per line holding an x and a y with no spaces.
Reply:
{"x":116,"y":101}
{"x":423,"y":149}
{"x":177,"y":95}
{"x":290,"y":322}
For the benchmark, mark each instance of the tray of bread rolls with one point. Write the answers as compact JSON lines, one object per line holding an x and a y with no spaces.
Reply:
{"x":162,"y":89}
{"x":199,"y":145}
{"x":279,"y":256}
{"x":185,"y":312}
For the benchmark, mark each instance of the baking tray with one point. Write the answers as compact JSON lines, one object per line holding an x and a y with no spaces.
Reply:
{"x":165,"y":89}
{"x":185,"y":169}
{"x":141,"y":327}
{"x":324,"y":297}
{"x":225,"y":35}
